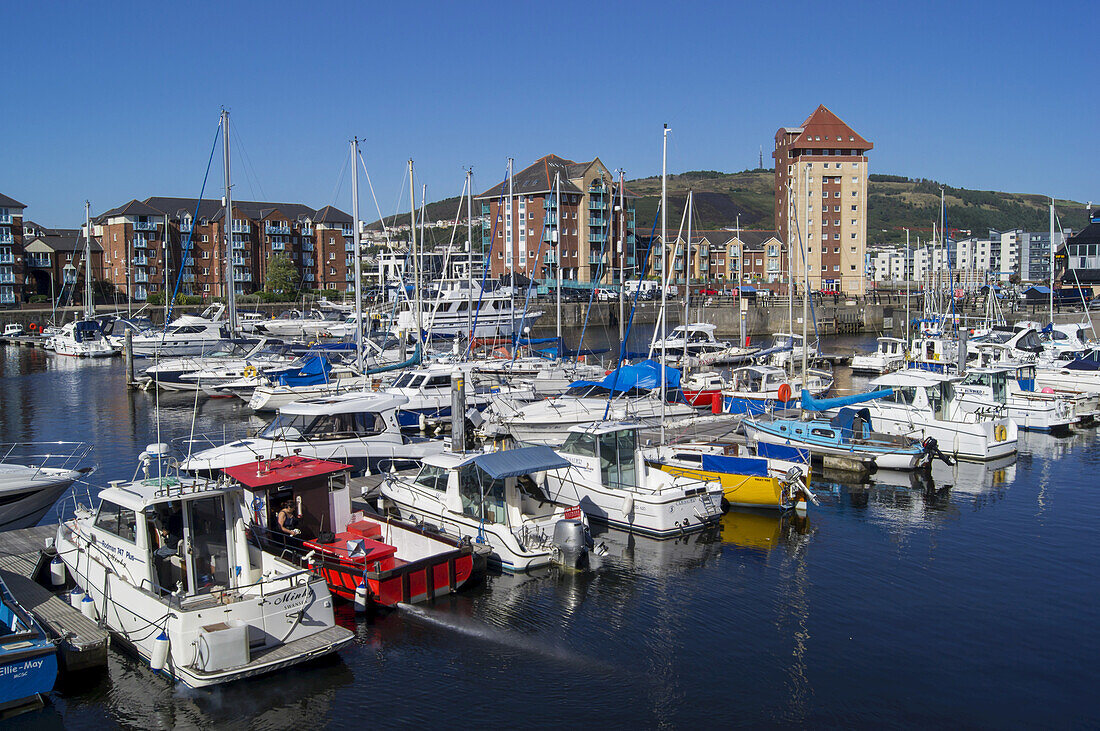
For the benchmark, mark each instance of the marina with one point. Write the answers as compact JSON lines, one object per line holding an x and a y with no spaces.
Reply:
{"x":808,"y":589}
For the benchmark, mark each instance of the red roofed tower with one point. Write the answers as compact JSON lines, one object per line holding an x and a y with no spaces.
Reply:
{"x":821,"y":196}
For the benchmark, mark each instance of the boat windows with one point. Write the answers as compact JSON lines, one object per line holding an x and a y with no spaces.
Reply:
{"x":827,"y":433}
{"x":617,"y":466}
{"x":164,"y":522}
{"x":1000,"y":388}
{"x":345,"y":426}
{"x":443,"y":381}
{"x":290,"y":427}
{"x":976,"y":379}
{"x":582,"y":445}
{"x":482,"y":497}
{"x":432,"y":477}
{"x":117,"y":520}
{"x":902,"y":395}
{"x":209,"y":550}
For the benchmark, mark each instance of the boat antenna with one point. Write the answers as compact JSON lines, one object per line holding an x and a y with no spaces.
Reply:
{"x":664,"y":264}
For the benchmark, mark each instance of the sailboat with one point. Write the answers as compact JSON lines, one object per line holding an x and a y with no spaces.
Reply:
{"x":84,"y":338}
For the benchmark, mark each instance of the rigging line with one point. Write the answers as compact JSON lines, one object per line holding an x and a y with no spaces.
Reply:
{"x":527,"y":299}
{"x":340,"y":180}
{"x":447,"y":261}
{"x":805,"y":293}
{"x":671,"y":266}
{"x":486,"y":262}
{"x":187,"y":248}
{"x":633,"y":308}
{"x":250,"y":170}
{"x":599,"y":269}
{"x":370,"y":185}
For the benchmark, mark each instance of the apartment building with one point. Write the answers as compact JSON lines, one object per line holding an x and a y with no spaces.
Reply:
{"x":1079,"y":259}
{"x":525,"y":232}
{"x":721,"y":256}
{"x":178,"y":244}
{"x":1035,"y":253}
{"x":11,"y":251}
{"x":821,"y":200}
{"x":54,"y":262}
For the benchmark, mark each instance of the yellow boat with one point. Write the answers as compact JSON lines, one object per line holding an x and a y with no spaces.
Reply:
{"x":747,"y":481}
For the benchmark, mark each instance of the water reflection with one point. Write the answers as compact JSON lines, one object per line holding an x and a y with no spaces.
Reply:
{"x":762,"y":531}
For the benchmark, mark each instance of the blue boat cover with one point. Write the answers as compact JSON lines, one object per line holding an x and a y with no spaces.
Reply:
{"x":843,"y":420}
{"x":645,"y":375}
{"x":751,"y":466}
{"x":313,"y":371}
{"x":812,"y":404}
{"x":522,"y":461}
{"x":783,"y":451}
{"x":1085,"y":361}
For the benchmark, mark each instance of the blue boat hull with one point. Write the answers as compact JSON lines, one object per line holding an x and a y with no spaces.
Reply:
{"x":26,"y":673}
{"x":738,"y":405}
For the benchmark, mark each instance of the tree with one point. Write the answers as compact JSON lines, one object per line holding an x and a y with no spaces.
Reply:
{"x":282,"y":275}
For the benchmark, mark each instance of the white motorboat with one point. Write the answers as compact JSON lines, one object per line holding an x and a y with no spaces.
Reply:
{"x":785,"y":348}
{"x":695,"y":341}
{"x":610,"y":479}
{"x":13,"y":330}
{"x":759,"y":388}
{"x":179,"y":374}
{"x":360,"y":429}
{"x":924,"y":404}
{"x":494,"y":498}
{"x":889,"y":355}
{"x":165,"y":563}
{"x":456,"y":304}
{"x":82,"y":339}
{"x":427,"y":391}
{"x":179,"y":340}
{"x":34,"y":475}
{"x":548,"y":377}
{"x":990,"y":389}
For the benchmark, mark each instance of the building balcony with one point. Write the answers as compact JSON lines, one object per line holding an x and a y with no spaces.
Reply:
{"x":278,"y":229}
{"x":6,"y":237}
{"x":307,"y":246}
{"x":597,"y":221}
{"x":7,"y":296}
{"x":141,"y":294}
{"x":189,"y":277}
{"x":549,"y":219}
{"x":140,"y":277}
{"x":597,"y":205}
{"x":350,"y":247}
{"x":5,"y":219}
{"x":140,"y":242}
{"x":349,"y":277}
{"x":550,"y":258}
{"x":240,"y":245}
{"x":6,"y":257}
{"x":140,"y":261}
{"x":278,"y":246}
{"x":347,"y":232}
{"x":598,"y":237}
{"x":595,"y":259}
{"x":309,"y":277}
{"x":185,"y":226}
{"x":241,"y":227}
{"x":38,"y":260}
{"x":350,"y":261}
{"x":144,"y":226}
{"x":307,"y":261}
{"x":549,"y":203}
{"x":7,"y":276}
{"x":240,"y":261}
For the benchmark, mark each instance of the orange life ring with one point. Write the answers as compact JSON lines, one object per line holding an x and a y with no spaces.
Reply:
{"x":785,"y":392}
{"x":33,"y":327}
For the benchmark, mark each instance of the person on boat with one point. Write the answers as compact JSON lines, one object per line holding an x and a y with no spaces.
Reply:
{"x":288,"y":519}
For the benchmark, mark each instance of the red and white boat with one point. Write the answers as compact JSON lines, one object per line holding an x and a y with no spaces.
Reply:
{"x":701,"y":389}
{"x":394,"y":561}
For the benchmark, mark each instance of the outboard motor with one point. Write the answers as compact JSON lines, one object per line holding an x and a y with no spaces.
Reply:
{"x":571,"y":540}
{"x":932,"y":447}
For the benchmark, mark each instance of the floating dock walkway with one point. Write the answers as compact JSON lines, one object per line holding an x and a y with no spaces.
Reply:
{"x":82,"y":644}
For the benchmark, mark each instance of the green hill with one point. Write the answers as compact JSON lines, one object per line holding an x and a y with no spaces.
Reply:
{"x":894,"y":203}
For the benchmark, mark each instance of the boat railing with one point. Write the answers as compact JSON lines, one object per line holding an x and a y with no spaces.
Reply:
{"x":45,"y":455}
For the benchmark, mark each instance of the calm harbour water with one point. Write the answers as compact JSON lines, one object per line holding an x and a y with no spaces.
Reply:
{"x":968,"y":600}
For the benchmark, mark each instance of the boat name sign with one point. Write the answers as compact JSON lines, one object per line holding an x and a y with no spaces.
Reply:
{"x":573,"y":513}
{"x":18,"y":671}
{"x":294,"y":598}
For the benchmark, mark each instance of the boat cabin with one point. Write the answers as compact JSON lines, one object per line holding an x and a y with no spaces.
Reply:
{"x":330,"y":418}
{"x":928,"y":392}
{"x":317,"y":490}
{"x":609,"y":448}
{"x":891,"y":347}
{"x":757,"y":379}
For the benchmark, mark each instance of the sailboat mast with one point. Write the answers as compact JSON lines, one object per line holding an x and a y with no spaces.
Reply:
{"x":622,"y":258}
{"x":1052,"y":261}
{"x":664,"y":265}
{"x":687,"y":274}
{"x":805,"y":292}
{"x":230,"y":275}
{"x":470,"y":254}
{"x":790,"y":283}
{"x":905,"y":273}
{"x":89,"y":305}
{"x":557,"y":254}
{"x":740,"y":294}
{"x":415,"y":256}
{"x":358,"y":262}
{"x":166,"y":268}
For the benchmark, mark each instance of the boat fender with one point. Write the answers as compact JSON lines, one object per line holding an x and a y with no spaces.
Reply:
{"x":57,"y":571}
{"x":628,"y":505}
{"x":159,"y":656}
{"x":75,"y":597}
{"x":784,"y":394}
{"x":423,"y":423}
{"x":87,"y":607}
{"x":361,"y":597}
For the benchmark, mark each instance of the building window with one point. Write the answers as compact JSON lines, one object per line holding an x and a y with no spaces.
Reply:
{"x":836,"y":267}
{"x":205,"y":272}
{"x":836,"y":236}
{"x":853,"y":236}
{"x":853,"y":208}
{"x":837,"y":194}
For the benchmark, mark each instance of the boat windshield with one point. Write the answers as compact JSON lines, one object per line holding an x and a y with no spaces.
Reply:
{"x":298,"y":427}
{"x":433,"y":477}
{"x":408,"y":380}
{"x":482,"y":497}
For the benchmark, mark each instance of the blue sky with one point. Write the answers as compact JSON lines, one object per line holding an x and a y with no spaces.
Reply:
{"x":113,"y":101}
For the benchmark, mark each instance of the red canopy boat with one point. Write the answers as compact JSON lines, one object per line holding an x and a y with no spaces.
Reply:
{"x":394,"y":561}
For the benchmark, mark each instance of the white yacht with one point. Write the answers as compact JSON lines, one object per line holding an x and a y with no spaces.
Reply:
{"x":787,"y":347}
{"x":34,"y":475}
{"x":360,"y":429}
{"x":612,"y":482}
{"x":167,"y":566}
{"x":82,"y":339}
{"x":178,"y":340}
{"x":177,"y":374}
{"x":926,"y":405}
{"x":455,"y":304}
{"x":695,"y":343}
{"x":999,"y":388}
{"x":889,"y":355}
{"x":495,"y":498}
{"x":759,"y":388}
